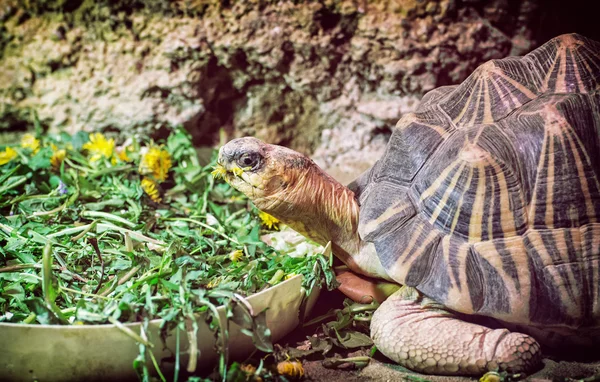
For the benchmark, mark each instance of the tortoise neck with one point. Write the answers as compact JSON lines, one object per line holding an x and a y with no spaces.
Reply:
{"x":323,"y":210}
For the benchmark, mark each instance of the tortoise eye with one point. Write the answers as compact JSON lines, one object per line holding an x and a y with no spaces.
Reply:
{"x":251,"y":159}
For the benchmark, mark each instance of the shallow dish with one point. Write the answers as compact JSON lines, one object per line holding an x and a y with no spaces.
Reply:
{"x":104,"y":352}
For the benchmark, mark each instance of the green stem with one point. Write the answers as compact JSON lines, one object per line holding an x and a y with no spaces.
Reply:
{"x":84,"y":293}
{"x":129,"y":332}
{"x":46,"y":213}
{"x":359,"y":362}
{"x":109,"y":170}
{"x":15,"y":268}
{"x":177,"y":350}
{"x":9,"y":230}
{"x":13,"y":185}
{"x":204,"y":225}
{"x":76,"y":166}
{"x":21,"y":198}
{"x":47,"y":283}
{"x":107,"y":216}
{"x":129,"y":275}
{"x":134,"y":234}
{"x":87,"y":229}
{"x":144,"y":278}
{"x":29,"y":319}
{"x":276,"y":277}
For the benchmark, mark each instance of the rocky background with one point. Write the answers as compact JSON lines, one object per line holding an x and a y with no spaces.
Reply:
{"x":329,"y":78}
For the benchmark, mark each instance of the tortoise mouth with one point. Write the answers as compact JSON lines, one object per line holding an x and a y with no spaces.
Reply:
{"x":239,"y":178}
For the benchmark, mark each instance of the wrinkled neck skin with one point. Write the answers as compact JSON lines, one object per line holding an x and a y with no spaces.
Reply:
{"x":320,"y":208}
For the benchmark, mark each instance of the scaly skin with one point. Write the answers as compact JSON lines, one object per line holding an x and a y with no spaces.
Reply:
{"x":421,"y":335}
{"x":410,"y":329}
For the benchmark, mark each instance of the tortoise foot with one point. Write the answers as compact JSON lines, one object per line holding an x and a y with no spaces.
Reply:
{"x":420,"y":334}
{"x":516,"y":352}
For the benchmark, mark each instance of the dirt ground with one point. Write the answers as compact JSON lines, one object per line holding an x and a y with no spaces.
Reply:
{"x":381,"y":369}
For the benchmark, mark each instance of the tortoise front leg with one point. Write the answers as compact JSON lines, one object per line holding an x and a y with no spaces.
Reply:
{"x":420,"y":334}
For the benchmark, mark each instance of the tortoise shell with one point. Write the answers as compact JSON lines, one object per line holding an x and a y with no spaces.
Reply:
{"x":488,"y":196}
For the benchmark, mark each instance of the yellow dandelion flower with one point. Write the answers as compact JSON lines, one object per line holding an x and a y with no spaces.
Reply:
{"x":491,"y":376}
{"x":156,"y":162}
{"x":289,"y":276}
{"x":236,"y":255}
{"x":237,"y":171}
{"x":291,"y":369}
{"x":122,"y":153}
{"x":8,"y":155}
{"x":250,"y":370}
{"x":268,"y":220}
{"x":149,"y":186}
{"x":100,"y":147}
{"x":29,"y":141}
{"x":57,"y":158}
{"x":219,"y":172}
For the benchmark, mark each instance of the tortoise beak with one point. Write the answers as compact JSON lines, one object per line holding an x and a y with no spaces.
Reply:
{"x":226,"y":156}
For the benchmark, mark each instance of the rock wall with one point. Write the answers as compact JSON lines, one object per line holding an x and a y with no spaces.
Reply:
{"x":328,"y":77}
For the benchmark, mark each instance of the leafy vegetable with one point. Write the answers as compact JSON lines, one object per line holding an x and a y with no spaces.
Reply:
{"x":94,"y":232}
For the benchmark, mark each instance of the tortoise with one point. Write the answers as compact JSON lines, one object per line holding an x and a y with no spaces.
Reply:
{"x":485,"y":208}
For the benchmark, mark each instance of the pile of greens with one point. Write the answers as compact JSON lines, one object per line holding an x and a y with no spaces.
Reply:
{"x":93,"y":232}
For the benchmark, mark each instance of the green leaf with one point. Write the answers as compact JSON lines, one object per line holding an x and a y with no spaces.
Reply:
{"x":41,"y":160}
{"x":169,"y":285}
{"x":261,"y":334}
{"x":241,"y":316}
{"x":317,"y":346}
{"x":350,"y":339}
{"x":48,"y":289}
{"x":79,"y":139}
{"x":14,"y":290}
{"x":158,"y":266}
{"x":43,"y":314}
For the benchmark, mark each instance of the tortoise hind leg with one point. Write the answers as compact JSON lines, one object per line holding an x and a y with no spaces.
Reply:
{"x":420,"y":334}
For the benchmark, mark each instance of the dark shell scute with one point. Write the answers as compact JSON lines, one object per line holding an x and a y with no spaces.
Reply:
{"x":569,"y":64}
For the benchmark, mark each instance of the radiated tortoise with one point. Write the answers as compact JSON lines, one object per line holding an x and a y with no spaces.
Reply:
{"x":486,"y":203}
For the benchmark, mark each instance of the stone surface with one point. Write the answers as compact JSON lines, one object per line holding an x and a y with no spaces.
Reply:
{"x":329,"y":77}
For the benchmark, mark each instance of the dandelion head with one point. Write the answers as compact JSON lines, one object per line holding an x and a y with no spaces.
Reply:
{"x":99,"y":147}
{"x":7,"y":155}
{"x":122,"y":153}
{"x":58,"y":156}
{"x":291,"y":369}
{"x":236,"y":255}
{"x":269,"y":221}
{"x":29,"y":141}
{"x":237,"y":171}
{"x":151,"y":189}
{"x":219,"y":172}
{"x":157,"y":162}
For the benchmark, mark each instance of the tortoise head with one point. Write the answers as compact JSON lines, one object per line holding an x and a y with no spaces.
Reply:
{"x":291,"y":187}
{"x":265,"y":173}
